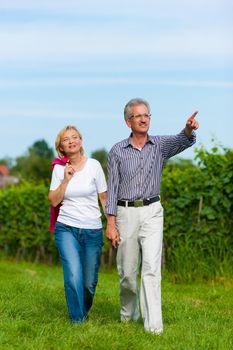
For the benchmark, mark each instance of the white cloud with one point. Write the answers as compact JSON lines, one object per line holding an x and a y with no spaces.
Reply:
{"x":66,"y":82}
{"x":177,"y":29}
{"x":120,"y":7}
{"x":75,"y":43}
{"x":33,"y":112}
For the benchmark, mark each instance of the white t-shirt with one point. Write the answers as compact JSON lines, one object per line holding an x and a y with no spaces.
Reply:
{"x":80,"y":203}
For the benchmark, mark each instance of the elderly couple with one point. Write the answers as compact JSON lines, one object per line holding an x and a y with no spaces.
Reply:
{"x":131,"y":203}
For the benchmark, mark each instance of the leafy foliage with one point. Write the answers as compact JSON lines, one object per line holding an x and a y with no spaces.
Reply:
{"x":7,"y":161}
{"x":101,"y":155}
{"x":198,"y":214}
{"x":24,"y":218}
{"x":36,"y":164}
{"x":197,"y":199}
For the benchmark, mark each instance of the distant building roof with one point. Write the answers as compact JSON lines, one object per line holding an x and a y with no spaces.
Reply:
{"x":4,"y":171}
{"x":5,"y":178}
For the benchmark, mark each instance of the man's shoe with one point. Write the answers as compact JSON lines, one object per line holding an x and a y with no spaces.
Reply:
{"x":155,"y":331}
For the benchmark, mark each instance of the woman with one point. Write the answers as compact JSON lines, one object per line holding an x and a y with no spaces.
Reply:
{"x":78,"y":230}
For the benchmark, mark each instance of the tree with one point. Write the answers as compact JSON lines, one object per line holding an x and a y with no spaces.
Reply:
{"x":41,"y":149}
{"x":101,"y":155}
{"x":36,"y":164}
{"x":179,"y":163}
{"x":7,"y":161}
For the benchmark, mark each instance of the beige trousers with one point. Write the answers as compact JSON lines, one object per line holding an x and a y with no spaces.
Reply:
{"x":141,"y":232}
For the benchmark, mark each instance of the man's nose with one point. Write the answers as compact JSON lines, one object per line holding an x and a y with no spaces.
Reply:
{"x":143,"y":118}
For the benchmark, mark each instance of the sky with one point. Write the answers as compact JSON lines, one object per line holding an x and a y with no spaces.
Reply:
{"x":79,"y":62}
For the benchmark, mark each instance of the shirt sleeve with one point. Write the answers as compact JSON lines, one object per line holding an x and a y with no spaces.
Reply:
{"x":57,"y":177}
{"x":101,"y":184}
{"x":175,"y":144}
{"x":113,"y":184}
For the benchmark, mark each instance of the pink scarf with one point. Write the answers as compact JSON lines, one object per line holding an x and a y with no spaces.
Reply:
{"x":54,"y":211}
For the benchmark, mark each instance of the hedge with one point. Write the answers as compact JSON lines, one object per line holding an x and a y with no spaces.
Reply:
{"x":198,"y":223}
{"x":24,"y":222}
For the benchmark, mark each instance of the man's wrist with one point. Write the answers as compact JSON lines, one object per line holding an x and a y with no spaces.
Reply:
{"x":188,"y":132}
{"x":111,"y":220}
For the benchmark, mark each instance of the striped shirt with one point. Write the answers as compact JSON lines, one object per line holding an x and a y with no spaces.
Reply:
{"x":136,"y":174}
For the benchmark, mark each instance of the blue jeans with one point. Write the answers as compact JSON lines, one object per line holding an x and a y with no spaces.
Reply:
{"x":80,"y":251}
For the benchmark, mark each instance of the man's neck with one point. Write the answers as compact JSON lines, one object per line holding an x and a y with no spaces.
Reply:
{"x":138,"y":140}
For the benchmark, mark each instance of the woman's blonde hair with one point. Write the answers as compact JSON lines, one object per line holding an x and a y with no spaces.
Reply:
{"x":60,"y":152}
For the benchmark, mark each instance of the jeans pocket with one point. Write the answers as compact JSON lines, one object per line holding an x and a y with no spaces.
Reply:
{"x":59,"y":227}
{"x":94,"y":236}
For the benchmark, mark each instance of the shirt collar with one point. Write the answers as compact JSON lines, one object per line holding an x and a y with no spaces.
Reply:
{"x":128,"y":143}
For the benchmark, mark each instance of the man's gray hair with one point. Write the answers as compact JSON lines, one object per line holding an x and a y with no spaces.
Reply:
{"x":134,"y":102}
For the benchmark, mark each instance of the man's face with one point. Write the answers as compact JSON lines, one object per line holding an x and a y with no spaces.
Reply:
{"x":139,"y":122}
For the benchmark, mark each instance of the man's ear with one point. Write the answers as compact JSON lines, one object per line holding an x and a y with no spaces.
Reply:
{"x":128,"y":122}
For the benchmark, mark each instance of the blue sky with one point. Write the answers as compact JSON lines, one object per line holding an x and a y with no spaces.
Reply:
{"x":78,"y":62}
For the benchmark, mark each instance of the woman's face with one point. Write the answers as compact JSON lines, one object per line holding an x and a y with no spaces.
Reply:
{"x":70,"y":142}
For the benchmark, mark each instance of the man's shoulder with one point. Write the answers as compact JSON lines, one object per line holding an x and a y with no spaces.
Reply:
{"x":119,"y":145}
{"x":155,"y":139}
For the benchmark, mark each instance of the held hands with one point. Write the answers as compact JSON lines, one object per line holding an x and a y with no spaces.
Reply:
{"x":113,"y":235}
{"x":191,"y":124}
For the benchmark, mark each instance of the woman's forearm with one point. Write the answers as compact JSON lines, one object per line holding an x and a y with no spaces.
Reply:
{"x":103,"y":200}
{"x":56,"y":196}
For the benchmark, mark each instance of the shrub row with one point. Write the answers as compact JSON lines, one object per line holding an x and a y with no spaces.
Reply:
{"x":198,"y":238}
{"x":198,"y":216}
{"x":24,"y":222}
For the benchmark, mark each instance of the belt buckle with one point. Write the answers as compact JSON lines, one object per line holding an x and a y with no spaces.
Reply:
{"x":138,"y":203}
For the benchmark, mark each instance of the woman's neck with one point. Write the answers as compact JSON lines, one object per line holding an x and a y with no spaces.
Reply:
{"x":78,"y":162}
{"x":76,"y":159}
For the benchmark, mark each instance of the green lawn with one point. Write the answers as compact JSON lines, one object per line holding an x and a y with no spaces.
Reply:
{"x":33,"y":314}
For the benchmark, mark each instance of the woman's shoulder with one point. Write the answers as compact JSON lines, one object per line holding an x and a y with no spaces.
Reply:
{"x":95,"y":165}
{"x":93,"y":162}
{"x":58,"y":168}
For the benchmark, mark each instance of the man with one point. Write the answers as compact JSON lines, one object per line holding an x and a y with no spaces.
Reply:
{"x":134,"y":212}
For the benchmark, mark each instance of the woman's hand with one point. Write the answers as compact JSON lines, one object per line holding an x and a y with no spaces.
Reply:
{"x":68,"y":172}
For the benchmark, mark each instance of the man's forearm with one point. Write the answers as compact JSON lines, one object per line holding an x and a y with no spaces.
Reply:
{"x":111,"y":220}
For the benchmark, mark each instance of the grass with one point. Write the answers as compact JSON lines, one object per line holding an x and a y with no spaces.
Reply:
{"x":33,"y":314}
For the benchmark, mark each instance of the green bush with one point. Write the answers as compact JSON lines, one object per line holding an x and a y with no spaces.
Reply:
{"x":198,"y":215}
{"x":24,"y":222}
{"x":197,"y":199}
